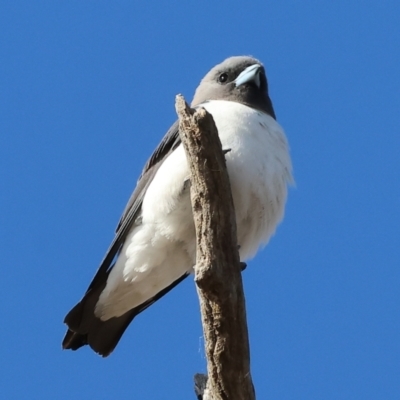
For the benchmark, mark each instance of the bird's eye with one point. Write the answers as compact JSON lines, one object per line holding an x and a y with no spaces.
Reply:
{"x":223,"y":78}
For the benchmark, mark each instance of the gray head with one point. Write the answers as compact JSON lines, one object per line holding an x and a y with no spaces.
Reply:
{"x":241,"y":79}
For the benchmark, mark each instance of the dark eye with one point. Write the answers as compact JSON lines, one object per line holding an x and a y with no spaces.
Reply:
{"x":223,"y":78}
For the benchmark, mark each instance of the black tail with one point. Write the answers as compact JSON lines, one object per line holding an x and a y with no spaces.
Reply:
{"x":101,"y":336}
{"x":84,"y":328}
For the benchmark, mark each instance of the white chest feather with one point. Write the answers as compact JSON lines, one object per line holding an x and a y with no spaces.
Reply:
{"x":259,"y":168}
{"x":163,"y":247}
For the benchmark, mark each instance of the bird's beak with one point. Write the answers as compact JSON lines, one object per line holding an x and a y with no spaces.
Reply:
{"x":250,"y":74}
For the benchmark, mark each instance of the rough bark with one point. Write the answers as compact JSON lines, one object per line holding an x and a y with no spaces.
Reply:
{"x":217,"y":271}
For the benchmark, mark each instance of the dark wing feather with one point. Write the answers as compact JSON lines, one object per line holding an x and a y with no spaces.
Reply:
{"x":103,"y":336}
{"x":84,"y":327}
{"x":168,"y":144}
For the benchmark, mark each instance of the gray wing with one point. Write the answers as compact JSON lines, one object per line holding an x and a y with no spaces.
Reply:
{"x":168,"y":144}
{"x":83,"y":325}
{"x":134,"y":206}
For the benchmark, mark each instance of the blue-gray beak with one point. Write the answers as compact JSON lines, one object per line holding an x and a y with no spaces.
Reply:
{"x":250,"y":74}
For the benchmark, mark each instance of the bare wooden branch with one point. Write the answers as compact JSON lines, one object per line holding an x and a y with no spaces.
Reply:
{"x":217,"y":272}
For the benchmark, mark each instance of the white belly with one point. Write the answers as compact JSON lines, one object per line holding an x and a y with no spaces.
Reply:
{"x":163,"y":248}
{"x":259,"y":169}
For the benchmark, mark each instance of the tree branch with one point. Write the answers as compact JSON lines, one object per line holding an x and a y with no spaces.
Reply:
{"x":217,"y":271}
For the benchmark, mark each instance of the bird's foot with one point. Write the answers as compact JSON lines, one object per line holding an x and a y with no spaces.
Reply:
{"x":186,"y":184}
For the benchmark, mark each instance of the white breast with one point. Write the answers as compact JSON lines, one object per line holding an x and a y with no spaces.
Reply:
{"x":163,"y":247}
{"x":259,"y":168}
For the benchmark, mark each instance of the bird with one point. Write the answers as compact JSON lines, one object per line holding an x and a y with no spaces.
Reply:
{"x":154,"y":246}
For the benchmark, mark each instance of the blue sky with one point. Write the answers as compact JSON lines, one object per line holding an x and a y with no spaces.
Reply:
{"x":86,"y":92}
